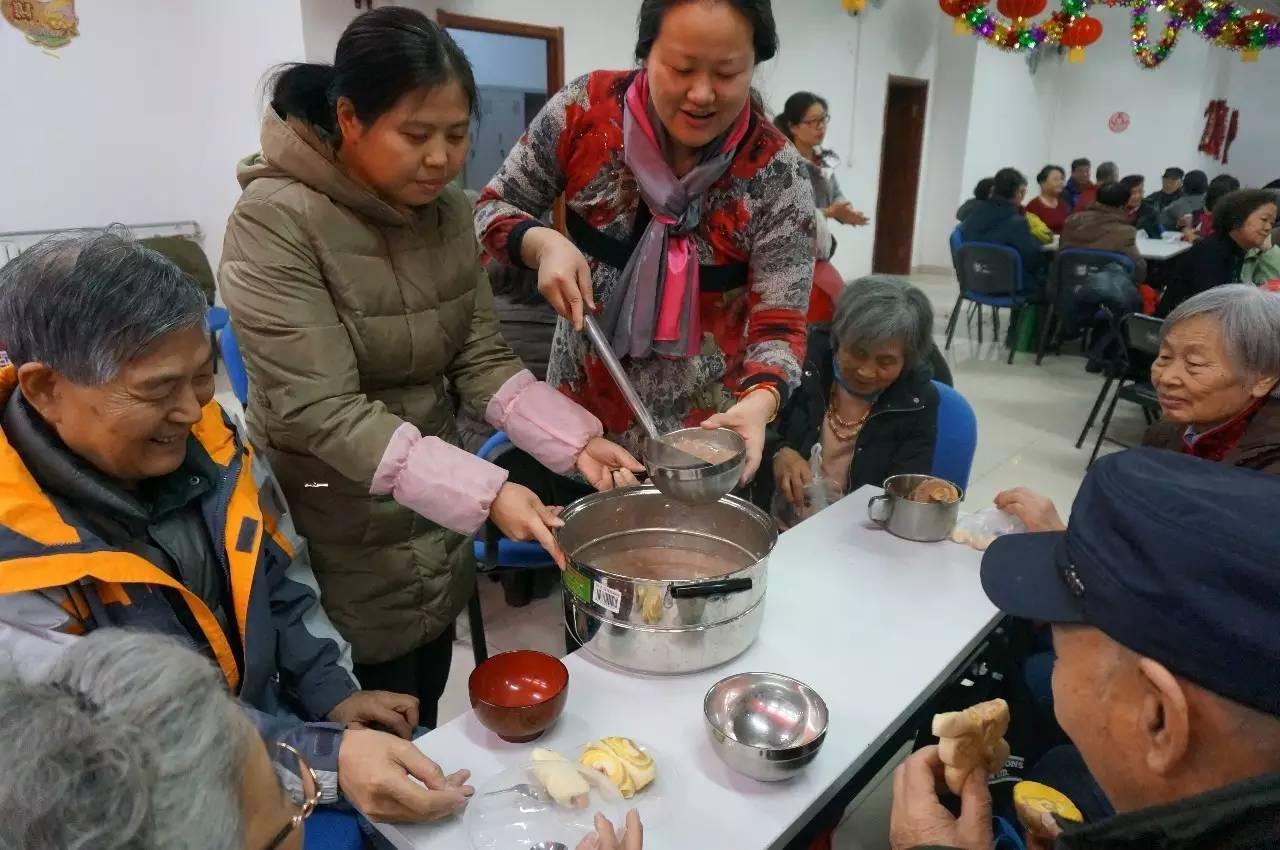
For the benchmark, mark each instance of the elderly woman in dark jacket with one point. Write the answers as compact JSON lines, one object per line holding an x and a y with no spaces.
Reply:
{"x":865,"y":396}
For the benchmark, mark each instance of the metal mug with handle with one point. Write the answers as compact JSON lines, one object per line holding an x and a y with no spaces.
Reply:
{"x":925,"y":522}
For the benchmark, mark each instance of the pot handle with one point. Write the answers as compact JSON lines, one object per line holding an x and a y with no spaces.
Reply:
{"x":711,"y":588}
{"x":879,"y":509}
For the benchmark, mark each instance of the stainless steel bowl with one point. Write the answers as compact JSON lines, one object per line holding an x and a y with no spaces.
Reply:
{"x":764,"y":725}
{"x":702,"y":484}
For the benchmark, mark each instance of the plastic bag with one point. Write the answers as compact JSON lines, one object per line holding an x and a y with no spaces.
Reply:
{"x":818,"y":495}
{"x":980,"y":528}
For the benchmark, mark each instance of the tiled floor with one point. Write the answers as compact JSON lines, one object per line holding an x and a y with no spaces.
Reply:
{"x":1028,"y":420}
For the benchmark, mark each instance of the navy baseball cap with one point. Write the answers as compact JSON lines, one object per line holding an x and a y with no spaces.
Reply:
{"x":1174,"y":557}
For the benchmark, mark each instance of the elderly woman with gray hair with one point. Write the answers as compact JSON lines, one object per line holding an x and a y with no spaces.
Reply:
{"x":1216,"y":377}
{"x":131,"y":741}
{"x":865,"y":398}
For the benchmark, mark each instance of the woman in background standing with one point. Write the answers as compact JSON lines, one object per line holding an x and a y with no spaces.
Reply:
{"x":804,"y":120}
{"x":697,"y":217}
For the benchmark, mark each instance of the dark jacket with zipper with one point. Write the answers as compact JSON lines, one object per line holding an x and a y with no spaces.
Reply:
{"x":1001,"y":222}
{"x":897,"y":439}
{"x":1243,"y":816}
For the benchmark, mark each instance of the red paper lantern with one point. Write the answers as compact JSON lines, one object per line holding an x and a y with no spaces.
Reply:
{"x":954,"y":8}
{"x":1021,"y":8}
{"x":1079,"y":34}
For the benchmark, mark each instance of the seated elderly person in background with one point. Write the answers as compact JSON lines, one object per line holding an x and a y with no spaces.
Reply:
{"x":981,"y":192}
{"x":865,"y":398}
{"x":1000,"y":220}
{"x":1216,"y":377}
{"x":131,"y":741}
{"x":1242,"y":223}
{"x":1161,"y":597}
{"x":1185,"y":211}
{"x":129,"y":498}
{"x":1141,"y":212}
{"x":1105,"y":226}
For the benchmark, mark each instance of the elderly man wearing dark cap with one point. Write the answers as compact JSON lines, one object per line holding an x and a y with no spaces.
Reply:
{"x":1170,"y":189}
{"x":1164,"y":596}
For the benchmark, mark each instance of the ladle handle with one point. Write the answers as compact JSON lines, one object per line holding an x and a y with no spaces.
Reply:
{"x":605,"y":351}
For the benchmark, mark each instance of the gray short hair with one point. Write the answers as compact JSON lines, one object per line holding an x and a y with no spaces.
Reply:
{"x":130,"y":742}
{"x":879,"y":308}
{"x":1250,"y":320}
{"x":86,"y":304}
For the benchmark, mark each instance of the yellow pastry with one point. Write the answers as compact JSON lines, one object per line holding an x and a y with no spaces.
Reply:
{"x":561,"y":778}
{"x":600,"y":758}
{"x":1033,"y":801}
{"x":622,"y":763}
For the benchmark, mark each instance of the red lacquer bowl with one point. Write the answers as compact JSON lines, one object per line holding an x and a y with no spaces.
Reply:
{"x":518,"y":695}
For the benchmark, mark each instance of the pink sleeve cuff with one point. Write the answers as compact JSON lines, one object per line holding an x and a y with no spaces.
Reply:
{"x":542,"y":422}
{"x":437,"y":480}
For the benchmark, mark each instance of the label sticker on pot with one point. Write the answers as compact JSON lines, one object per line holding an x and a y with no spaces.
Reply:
{"x":577,"y":584}
{"x":606,"y":597}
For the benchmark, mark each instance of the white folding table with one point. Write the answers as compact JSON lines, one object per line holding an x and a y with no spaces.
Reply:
{"x":876,"y":624}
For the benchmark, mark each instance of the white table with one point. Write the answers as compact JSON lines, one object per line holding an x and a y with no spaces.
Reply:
{"x":1150,"y":249}
{"x":874,"y":623}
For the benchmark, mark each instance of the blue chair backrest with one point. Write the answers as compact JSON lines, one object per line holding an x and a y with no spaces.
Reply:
{"x":957,"y":239}
{"x":234,"y":362}
{"x":986,"y":268}
{"x":957,"y":439}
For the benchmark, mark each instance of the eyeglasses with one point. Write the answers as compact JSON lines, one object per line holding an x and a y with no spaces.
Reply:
{"x":820,"y":121}
{"x":290,"y":761}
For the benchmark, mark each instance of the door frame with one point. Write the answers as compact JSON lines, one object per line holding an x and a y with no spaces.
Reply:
{"x":921,"y":85}
{"x":553,"y":36}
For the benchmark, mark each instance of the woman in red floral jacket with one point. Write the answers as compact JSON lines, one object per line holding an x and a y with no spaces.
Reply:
{"x":691,"y":220}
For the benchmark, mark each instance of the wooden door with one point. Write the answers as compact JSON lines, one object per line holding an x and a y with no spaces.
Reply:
{"x":900,"y":158}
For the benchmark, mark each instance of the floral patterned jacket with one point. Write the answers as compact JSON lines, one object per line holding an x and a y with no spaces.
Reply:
{"x":755,"y":244}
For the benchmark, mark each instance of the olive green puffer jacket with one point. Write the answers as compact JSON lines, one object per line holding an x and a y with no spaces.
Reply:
{"x":352,"y":316}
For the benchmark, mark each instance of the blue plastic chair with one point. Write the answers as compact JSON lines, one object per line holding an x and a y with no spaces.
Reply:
{"x":495,"y":553}
{"x":1071,"y":268}
{"x":230,"y":348}
{"x":957,"y":239}
{"x":330,"y":829}
{"x":218,"y":318}
{"x":957,"y":439}
{"x":989,"y":275}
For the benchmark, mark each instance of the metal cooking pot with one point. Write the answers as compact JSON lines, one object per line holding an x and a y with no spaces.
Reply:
{"x":659,"y":586}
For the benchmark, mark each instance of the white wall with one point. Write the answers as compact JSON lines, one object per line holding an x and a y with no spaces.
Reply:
{"x":143,"y":116}
{"x":1013,"y":115}
{"x":505,"y":61}
{"x":1164,"y":104}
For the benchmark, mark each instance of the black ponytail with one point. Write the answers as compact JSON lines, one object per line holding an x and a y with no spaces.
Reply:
{"x":758,"y":12}
{"x":382,"y":55}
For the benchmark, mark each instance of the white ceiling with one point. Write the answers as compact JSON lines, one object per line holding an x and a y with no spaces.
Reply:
{"x":1272,"y":6}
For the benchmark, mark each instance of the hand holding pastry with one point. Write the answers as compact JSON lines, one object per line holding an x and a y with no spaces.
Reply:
{"x":971,"y":740}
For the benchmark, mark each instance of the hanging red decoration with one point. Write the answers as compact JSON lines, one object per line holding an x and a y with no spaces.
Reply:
{"x":1021,"y":9}
{"x":1079,"y":34}
{"x":957,"y":9}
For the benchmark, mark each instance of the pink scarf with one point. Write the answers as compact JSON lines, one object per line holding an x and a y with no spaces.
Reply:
{"x":656,"y":306}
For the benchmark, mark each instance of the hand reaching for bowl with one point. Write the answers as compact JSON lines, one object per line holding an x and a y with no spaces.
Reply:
{"x":606,"y":838}
{"x":1036,"y":512}
{"x":748,"y":417}
{"x":607,"y":465}
{"x":520,"y":515}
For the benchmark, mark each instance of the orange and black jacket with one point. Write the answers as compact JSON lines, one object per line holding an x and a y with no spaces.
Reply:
{"x":277,"y":650}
